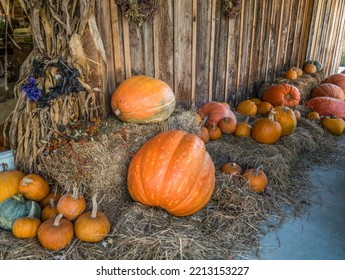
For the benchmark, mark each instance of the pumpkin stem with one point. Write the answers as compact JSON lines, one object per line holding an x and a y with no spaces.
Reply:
{"x":57,"y":220}
{"x":94,"y":206}
{"x":246,"y":120}
{"x":75,"y":193}
{"x":19,"y":197}
{"x":257,"y":169}
{"x":204,"y":121}
{"x":52,"y":203}
{"x":4,"y":166}
{"x":27,"y":181}
{"x":32,"y":210}
{"x":117,"y":112}
{"x":271,"y":114}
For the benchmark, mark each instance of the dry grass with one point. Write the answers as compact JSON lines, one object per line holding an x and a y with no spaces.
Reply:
{"x":228,"y":227}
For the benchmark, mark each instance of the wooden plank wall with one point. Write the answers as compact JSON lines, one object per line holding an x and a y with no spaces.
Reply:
{"x":205,"y":56}
{"x":326,"y":36}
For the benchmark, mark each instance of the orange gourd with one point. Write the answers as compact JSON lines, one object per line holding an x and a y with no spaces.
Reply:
{"x":313,"y":115}
{"x":204,"y":134}
{"x":34,"y":187}
{"x":243,"y":129}
{"x":55,"y":234}
{"x":92,"y":226}
{"x":256,"y":179}
{"x":227,"y":125}
{"x":333,"y":125}
{"x":49,"y":211}
{"x":9,"y":182}
{"x":264,"y":108}
{"x":298,"y":70}
{"x":173,"y":171}
{"x":143,"y":99}
{"x":291,"y":74}
{"x":214,"y":132}
{"x":255,"y":100}
{"x":247,"y":108}
{"x":286,"y":118}
{"x":266,"y":130}
{"x":71,"y":205}
{"x":26,"y":227}
{"x":282,"y":94}
{"x":231,"y":168}
{"x":310,"y":69}
{"x":53,"y":194}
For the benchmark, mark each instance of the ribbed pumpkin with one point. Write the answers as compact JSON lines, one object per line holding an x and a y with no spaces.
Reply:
{"x":328,"y":90}
{"x":92,"y":226}
{"x":143,"y":99}
{"x":247,"y":108}
{"x":33,"y":186}
{"x":291,"y":74}
{"x":214,"y":132}
{"x":55,"y":234}
{"x":336,"y":79}
{"x":298,"y":70}
{"x":49,"y":211}
{"x":310,"y":69}
{"x":231,"y":168}
{"x":313,"y":116}
{"x":266,"y":130}
{"x":327,"y":106}
{"x":255,"y":100}
{"x":53,"y":194}
{"x":71,"y":205}
{"x":212,"y":112}
{"x":317,"y":64}
{"x":243,"y":129}
{"x":256,"y":179}
{"x":173,"y":171}
{"x":26,"y":227}
{"x":264,"y":108}
{"x":333,"y":125}
{"x":286,"y":118}
{"x":227,"y":125}
{"x":9,"y":182}
{"x":282,"y":94}
{"x":16,"y":207}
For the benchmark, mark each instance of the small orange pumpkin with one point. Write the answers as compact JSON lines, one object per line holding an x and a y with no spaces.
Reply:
{"x":26,"y":227}
{"x":243,"y":129}
{"x":298,"y":70}
{"x":92,"y":226}
{"x":212,"y":112}
{"x":287,"y":119}
{"x":297,"y":114}
{"x":53,"y":194}
{"x":310,"y":69}
{"x":256,"y":179}
{"x":247,"y":108}
{"x":231,"y":168}
{"x":71,"y":205}
{"x":333,"y":125}
{"x":291,"y":74}
{"x":266,"y":130}
{"x":255,"y":100}
{"x":313,"y":116}
{"x":49,"y":211}
{"x":34,"y":187}
{"x":55,"y":234}
{"x":215,"y":133}
{"x":204,"y":134}
{"x":227,"y":125}
{"x":9,"y":182}
{"x":264,"y":108}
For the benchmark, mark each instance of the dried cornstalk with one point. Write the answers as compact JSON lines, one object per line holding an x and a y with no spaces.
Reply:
{"x":62,"y":30}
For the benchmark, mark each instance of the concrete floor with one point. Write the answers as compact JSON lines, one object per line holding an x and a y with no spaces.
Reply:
{"x":320,"y":233}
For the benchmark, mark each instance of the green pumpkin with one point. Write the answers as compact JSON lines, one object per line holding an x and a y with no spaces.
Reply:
{"x":315,"y":62}
{"x":16,"y":207}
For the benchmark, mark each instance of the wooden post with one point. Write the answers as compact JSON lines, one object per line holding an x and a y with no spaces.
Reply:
{"x":240,"y":45}
{"x":213,"y":26}
{"x":251,"y":47}
{"x":279,"y":35}
{"x":194,"y":33}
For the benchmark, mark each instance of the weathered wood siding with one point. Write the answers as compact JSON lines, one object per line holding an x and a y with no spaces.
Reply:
{"x":205,"y":56}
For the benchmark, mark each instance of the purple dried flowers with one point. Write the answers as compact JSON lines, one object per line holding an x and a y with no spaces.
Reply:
{"x":31,"y":90}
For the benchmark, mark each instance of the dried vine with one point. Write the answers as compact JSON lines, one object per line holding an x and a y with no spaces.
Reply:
{"x":61,"y":81}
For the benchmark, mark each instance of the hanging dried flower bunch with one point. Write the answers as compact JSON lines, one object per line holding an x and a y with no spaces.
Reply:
{"x":231,"y":8}
{"x":139,"y":11}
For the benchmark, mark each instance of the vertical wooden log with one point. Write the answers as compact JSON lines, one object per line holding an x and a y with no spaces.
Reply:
{"x":240,"y":45}
{"x":156,"y":44}
{"x":271,"y":17}
{"x":213,"y":26}
{"x":305,"y":31}
{"x":126,"y":45}
{"x":194,"y":36}
{"x":261,"y":36}
{"x":249,"y":76}
{"x":278,"y":50}
{"x":294,"y":46}
{"x":287,"y":34}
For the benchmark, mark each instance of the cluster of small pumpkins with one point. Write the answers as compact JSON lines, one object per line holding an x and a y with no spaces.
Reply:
{"x":29,"y":208}
{"x":309,"y":67}
{"x":254,"y":177}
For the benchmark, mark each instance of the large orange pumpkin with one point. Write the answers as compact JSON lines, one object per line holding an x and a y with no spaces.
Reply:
{"x":329,"y":90}
{"x":173,"y":171}
{"x":143,"y":99}
{"x":214,"y":112}
{"x":286,"y":118}
{"x":327,"y":106}
{"x":336,"y":79}
{"x":282,"y":94}
{"x":9,"y":182}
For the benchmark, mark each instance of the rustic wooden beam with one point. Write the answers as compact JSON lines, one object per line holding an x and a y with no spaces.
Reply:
{"x":261,"y":37}
{"x":288,"y":34}
{"x":269,"y":37}
{"x":251,"y":47}
{"x":240,"y":45}
{"x":126,"y":44}
{"x":156,"y":23}
{"x":279,"y":38}
{"x":194,"y":35}
{"x":213,"y":26}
